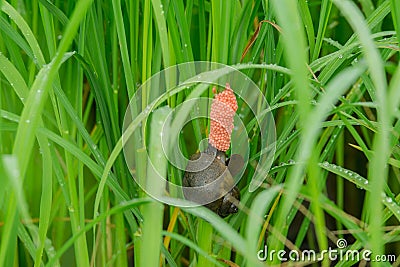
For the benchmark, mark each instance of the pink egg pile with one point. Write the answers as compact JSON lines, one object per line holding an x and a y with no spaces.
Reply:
{"x":223,"y":110}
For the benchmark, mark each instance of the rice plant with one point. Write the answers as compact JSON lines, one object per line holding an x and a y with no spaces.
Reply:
{"x":103,"y":103}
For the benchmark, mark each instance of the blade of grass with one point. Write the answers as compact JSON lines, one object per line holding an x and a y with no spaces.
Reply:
{"x":147,"y":47}
{"x":194,"y":246}
{"x":255,"y":218}
{"x":228,"y":233}
{"x":34,"y":105}
{"x":325,"y":12}
{"x":162,"y":30}
{"x":7,"y":29}
{"x":334,"y":89}
{"x":153,"y":212}
{"x":55,"y":11}
{"x":123,"y":46}
{"x":293,"y":35}
{"x":46,"y":198}
{"x":377,"y":170}
{"x":9,"y":231}
{"x":395,"y":5}
{"x":205,"y":241}
{"x":122,"y":207}
{"x":363,"y":183}
{"x":21,"y":89}
{"x":308,"y":24}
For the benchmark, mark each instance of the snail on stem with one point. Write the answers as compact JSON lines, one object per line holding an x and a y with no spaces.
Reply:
{"x":210,"y":171}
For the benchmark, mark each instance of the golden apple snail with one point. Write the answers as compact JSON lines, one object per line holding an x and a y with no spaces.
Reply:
{"x":210,"y":172}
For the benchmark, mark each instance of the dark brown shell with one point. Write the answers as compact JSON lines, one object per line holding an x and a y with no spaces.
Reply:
{"x":214,"y":181}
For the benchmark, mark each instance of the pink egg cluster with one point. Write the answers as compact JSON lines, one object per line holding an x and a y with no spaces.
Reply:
{"x":223,"y":110}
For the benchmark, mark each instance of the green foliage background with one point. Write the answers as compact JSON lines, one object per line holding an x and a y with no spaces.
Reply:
{"x":328,"y":68}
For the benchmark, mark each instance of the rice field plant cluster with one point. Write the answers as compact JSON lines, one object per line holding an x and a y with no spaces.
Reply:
{"x":328,"y":70}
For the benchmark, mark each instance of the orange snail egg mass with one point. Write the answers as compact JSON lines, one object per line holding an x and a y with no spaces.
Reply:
{"x":223,"y":110}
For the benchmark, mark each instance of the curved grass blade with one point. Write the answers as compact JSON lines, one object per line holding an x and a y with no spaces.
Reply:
{"x":377,"y":174}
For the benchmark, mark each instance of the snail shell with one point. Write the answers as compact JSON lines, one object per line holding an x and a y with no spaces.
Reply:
{"x":213,"y":179}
